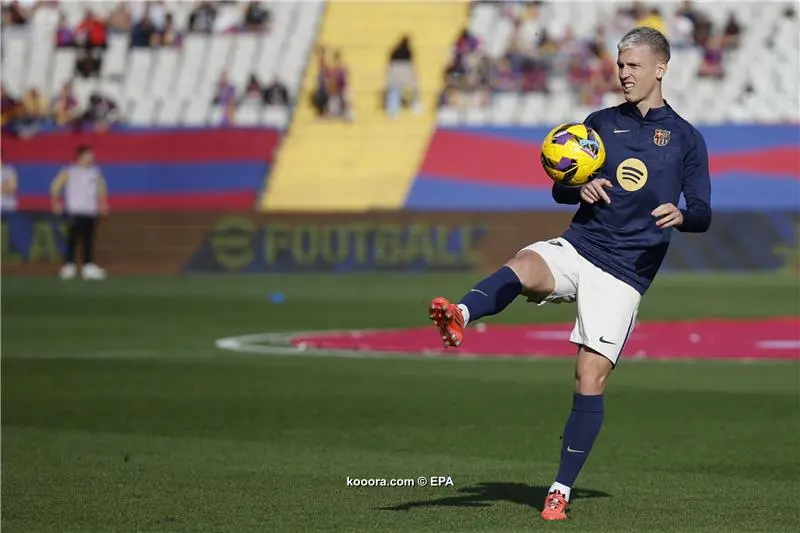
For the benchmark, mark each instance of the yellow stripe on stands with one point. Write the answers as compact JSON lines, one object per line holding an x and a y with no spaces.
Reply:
{"x":329,"y":164}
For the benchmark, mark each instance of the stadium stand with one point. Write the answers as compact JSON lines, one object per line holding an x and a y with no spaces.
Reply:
{"x":753,"y":86}
{"x":744,"y":96}
{"x":167,"y":86}
{"x":168,"y":91}
{"x":492,"y":78}
{"x":369,"y":161}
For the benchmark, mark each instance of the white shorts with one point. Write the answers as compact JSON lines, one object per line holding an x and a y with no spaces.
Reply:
{"x":607,"y":307}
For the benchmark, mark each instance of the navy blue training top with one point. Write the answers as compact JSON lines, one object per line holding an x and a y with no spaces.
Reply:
{"x":650,"y":161}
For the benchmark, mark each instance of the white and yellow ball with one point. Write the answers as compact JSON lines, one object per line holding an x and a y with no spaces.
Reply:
{"x":572,"y":154}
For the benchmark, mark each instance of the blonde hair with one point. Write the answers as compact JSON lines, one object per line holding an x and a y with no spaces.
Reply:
{"x":649,"y":37}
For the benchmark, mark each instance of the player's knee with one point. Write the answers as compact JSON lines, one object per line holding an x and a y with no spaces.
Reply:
{"x":591,"y":372}
{"x":533,"y":273}
{"x":590,"y":384}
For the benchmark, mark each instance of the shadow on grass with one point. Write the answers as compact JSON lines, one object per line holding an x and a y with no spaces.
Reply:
{"x":487,"y":493}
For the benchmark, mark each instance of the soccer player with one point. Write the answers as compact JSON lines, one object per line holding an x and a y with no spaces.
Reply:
{"x":613,"y":248}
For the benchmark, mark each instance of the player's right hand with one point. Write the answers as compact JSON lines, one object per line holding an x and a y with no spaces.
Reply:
{"x":594,"y":191}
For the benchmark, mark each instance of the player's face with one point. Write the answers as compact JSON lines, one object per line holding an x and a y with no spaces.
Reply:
{"x":86,"y":158}
{"x":639,"y":73}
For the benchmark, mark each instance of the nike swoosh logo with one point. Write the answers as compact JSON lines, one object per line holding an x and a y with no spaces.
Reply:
{"x":476,"y":290}
{"x":620,"y":131}
{"x":570,"y":449}
{"x":604,"y":341}
{"x":556,"y":243}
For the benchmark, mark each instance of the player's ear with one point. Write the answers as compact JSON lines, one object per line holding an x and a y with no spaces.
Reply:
{"x":661,"y":69}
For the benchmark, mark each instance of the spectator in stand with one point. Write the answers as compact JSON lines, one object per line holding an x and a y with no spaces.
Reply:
{"x":546,"y":47}
{"x":589,"y":65}
{"x":401,"y":80}
{"x":502,"y":77}
{"x":617,"y":26}
{"x":519,"y":50}
{"x":253,"y":92}
{"x":65,"y":37}
{"x":201,"y":19}
{"x":534,"y":76}
{"x":597,"y":45}
{"x":144,"y":33}
{"x":101,"y":114}
{"x":711,"y":65}
{"x":169,"y":36}
{"x":120,"y":19}
{"x":90,"y":38}
{"x":91,"y":32}
{"x":33,"y":113}
{"x":257,"y":18}
{"x":567,"y":46}
{"x":227,"y":21}
{"x":466,"y":43}
{"x":455,"y":81}
{"x":602,"y":78}
{"x":687,"y":11}
{"x":732,"y":32}
{"x":331,"y":99}
{"x":15,"y":14}
{"x":703,"y":29}
{"x":155,"y":11}
{"x":276,"y":94}
{"x":320,"y":95}
{"x":479,"y":80}
{"x":65,"y":106}
{"x":681,"y":32}
{"x":226,"y":92}
{"x":578,"y":72}
{"x":652,"y":19}
{"x":339,"y":89}
{"x":9,"y":107}
{"x":225,"y":97}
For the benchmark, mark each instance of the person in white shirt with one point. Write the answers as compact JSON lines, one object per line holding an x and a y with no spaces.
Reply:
{"x":84,"y":201}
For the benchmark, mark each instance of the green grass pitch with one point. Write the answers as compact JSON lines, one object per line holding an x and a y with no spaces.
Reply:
{"x":120,"y":415}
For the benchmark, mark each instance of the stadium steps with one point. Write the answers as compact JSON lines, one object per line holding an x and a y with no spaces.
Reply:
{"x":369,"y":163}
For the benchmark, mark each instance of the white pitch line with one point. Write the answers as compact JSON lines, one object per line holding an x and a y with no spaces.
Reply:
{"x":779,"y":345}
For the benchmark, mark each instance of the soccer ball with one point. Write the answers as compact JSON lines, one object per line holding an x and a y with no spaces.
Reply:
{"x":572,"y":154}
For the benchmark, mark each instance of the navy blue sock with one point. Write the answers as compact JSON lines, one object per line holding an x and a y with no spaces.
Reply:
{"x":492,"y":294}
{"x":583,"y":426}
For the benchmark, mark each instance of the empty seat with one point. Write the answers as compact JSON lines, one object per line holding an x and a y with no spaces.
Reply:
{"x":449,"y":117}
{"x":63,"y":69}
{"x":275,"y":116}
{"x":505,"y":108}
{"x":115,"y":57}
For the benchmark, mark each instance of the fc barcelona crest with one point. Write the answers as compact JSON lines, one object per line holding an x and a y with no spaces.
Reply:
{"x":661,"y":138}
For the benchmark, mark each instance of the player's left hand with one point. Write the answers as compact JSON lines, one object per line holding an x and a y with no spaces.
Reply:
{"x":668,"y":216}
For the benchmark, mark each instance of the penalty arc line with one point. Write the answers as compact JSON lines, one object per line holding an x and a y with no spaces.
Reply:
{"x":280,"y":343}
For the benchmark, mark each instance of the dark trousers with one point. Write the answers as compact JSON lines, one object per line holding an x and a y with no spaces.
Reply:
{"x":81,"y":228}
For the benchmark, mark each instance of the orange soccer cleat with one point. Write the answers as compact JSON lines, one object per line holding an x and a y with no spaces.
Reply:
{"x":555,"y":507}
{"x":448,"y":318}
